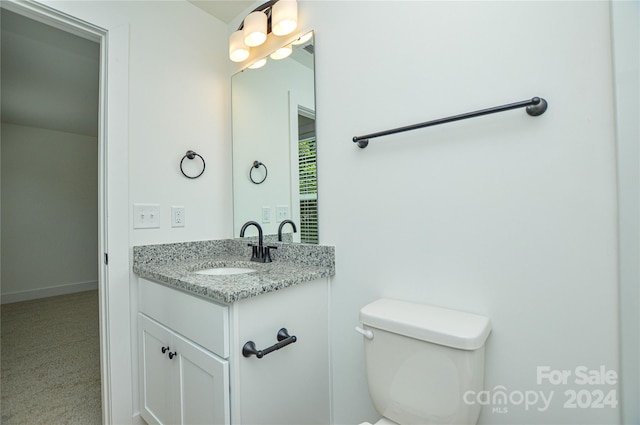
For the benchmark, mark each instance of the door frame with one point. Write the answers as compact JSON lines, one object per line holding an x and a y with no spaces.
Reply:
{"x":113,"y":188}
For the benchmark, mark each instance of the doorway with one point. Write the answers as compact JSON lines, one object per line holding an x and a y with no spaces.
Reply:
{"x":113,"y":218}
{"x":50,"y":215}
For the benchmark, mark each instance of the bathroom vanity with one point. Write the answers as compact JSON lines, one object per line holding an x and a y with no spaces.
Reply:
{"x":192,"y":329}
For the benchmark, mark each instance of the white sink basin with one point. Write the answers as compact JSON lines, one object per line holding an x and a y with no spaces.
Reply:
{"x":224,"y":271}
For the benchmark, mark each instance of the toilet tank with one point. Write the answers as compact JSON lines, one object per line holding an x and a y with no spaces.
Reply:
{"x":421,"y":361}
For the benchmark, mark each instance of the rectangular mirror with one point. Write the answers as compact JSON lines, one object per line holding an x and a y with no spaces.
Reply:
{"x":274,"y":146}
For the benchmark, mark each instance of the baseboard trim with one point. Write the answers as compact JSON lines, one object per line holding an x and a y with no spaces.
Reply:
{"x":137,"y":420}
{"x":33,"y":294}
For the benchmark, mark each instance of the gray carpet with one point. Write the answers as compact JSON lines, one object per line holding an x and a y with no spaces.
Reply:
{"x":50,"y":361}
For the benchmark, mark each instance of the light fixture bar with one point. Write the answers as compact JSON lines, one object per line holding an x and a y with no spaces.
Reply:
{"x":262,"y":8}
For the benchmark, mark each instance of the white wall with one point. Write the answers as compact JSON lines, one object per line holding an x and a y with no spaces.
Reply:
{"x":626,"y":52}
{"x":50,"y":212}
{"x":506,"y":215}
{"x":178,"y":97}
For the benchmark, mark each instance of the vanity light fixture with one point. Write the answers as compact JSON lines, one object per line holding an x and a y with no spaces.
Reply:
{"x":282,"y":52}
{"x":258,"y":64}
{"x":279,"y":17}
{"x":238,"y":51}
{"x":254,"y":30}
{"x":284,"y":17}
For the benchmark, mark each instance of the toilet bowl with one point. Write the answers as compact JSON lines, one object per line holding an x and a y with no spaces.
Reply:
{"x":420,"y":360}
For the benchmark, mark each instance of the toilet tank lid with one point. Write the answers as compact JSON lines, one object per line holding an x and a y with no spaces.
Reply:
{"x":451,"y":328}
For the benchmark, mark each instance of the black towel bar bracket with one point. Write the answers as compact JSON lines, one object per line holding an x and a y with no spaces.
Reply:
{"x":249,"y":348}
{"x":534,"y":107}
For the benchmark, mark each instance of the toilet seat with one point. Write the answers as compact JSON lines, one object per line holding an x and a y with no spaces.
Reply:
{"x":382,"y":421}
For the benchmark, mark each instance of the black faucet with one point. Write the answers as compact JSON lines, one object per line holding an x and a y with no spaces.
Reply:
{"x":282,"y":225}
{"x":259,"y":252}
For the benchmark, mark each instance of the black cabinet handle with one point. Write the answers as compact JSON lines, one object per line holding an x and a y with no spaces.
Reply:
{"x":171,"y":355}
{"x":249,"y":349}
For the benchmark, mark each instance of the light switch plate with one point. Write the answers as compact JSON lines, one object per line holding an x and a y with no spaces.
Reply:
{"x":146,"y":216}
{"x":282,"y":212}
{"x":266,"y":214}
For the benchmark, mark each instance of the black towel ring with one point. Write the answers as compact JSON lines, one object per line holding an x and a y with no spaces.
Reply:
{"x":191,"y":155}
{"x":257,"y":164}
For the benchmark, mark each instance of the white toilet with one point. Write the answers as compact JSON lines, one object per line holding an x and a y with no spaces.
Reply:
{"x":421,"y":360}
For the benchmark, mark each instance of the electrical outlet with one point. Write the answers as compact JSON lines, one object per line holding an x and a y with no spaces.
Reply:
{"x":146,"y":216}
{"x":177,"y":217}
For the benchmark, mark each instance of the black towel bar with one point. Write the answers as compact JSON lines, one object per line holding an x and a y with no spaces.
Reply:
{"x":536,"y":106}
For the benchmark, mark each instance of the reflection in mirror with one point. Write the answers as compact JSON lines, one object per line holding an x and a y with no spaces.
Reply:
{"x":273,"y":112}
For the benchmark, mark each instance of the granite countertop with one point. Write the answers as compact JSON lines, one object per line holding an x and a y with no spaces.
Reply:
{"x":175,"y":264}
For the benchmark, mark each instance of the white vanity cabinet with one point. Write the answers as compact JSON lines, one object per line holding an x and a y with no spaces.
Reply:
{"x":184,"y":373}
{"x":183,"y":383}
{"x":209,"y":381}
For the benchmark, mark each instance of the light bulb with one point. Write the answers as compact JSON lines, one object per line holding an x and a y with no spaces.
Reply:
{"x":282,"y":52}
{"x":284,"y":17}
{"x":238,"y":52}
{"x":255,"y":29}
{"x":258,"y":64}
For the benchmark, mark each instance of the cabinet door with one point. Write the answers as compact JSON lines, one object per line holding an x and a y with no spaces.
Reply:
{"x":189,"y":387}
{"x":203,"y":385}
{"x":159,"y":374}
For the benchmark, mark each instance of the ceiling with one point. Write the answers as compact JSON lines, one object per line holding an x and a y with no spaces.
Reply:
{"x":50,"y":78}
{"x":225,"y":10}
